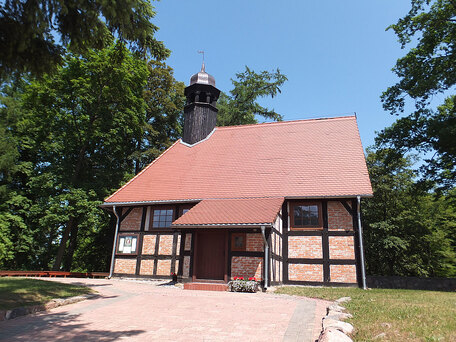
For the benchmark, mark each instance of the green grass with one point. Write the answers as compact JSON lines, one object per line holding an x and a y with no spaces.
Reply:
{"x":17,"y":292}
{"x":411,"y":315}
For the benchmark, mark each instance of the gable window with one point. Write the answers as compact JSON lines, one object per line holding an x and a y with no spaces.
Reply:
{"x":162,"y":218}
{"x":238,"y":242}
{"x":127,"y":244}
{"x":306,"y":215}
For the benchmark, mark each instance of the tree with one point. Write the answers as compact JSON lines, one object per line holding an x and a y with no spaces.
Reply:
{"x":72,"y":138}
{"x":408,"y":231}
{"x":77,"y":130}
{"x":165,"y":100}
{"x":15,"y":237}
{"x":427,"y":70}
{"x":34,"y":35}
{"x":241,"y":106}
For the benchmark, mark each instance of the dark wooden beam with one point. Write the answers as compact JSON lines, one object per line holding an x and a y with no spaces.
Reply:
{"x":319,"y":283}
{"x":174,"y":252}
{"x":348,"y":208}
{"x":157,"y":248}
{"x":325,"y":243}
{"x":122,"y":217}
{"x":285,"y":233}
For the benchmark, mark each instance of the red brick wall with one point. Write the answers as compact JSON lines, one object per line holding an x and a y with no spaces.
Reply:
{"x":147,"y":267}
{"x":254,"y":242}
{"x":308,"y":247}
{"x":125,"y":266}
{"x":303,"y":272}
{"x":343,"y":273}
{"x":133,"y":220}
{"x":165,"y":246}
{"x":338,"y":217}
{"x":341,"y":247}
{"x":148,"y":244}
{"x":164,"y":267}
{"x":247,"y":267}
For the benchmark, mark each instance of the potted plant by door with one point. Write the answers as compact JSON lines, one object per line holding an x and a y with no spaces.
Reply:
{"x":240,"y":284}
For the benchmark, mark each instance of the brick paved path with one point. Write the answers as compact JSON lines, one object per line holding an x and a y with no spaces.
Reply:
{"x":143,"y":311}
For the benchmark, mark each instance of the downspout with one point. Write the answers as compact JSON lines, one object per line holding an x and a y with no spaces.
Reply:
{"x":266,"y":257}
{"x":361,"y":247}
{"x":115,"y":242}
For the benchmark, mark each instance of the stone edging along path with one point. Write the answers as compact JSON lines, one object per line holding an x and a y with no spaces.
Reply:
{"x":334,"y":328}
{"x":53,"y":303}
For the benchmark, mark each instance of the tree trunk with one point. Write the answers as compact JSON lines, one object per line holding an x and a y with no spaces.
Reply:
{"x":63,"y":242}
{"x":72,"y":221}
{"x":71,"y":248}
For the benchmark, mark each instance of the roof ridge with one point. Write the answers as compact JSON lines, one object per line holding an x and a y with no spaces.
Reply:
{"x":287,"y":122}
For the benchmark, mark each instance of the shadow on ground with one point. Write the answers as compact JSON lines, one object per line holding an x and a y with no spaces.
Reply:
{"x":170,"y":283}
{"x":79,"y":283}
{"x":57,"y":327}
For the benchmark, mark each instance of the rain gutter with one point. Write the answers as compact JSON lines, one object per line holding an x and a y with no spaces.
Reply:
{"x":361,"y":246}
{"x":111,"y":269}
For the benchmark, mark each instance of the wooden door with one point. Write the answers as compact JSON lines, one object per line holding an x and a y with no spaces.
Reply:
{"x":210,"y":255}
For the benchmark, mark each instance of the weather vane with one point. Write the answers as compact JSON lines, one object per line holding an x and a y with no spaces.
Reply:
{"x":201,"y":52}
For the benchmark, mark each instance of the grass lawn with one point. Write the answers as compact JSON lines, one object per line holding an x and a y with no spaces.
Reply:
{"x":403,"y":315}
{"x":16,"y":292}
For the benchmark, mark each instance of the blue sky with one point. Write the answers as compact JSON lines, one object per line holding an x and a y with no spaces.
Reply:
{"x":336,"y":54}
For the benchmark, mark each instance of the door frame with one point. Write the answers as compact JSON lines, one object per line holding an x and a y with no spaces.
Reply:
{"x":195,"y":257}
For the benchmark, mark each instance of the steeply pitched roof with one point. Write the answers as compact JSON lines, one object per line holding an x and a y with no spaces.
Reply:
{"x":235,"y":211}
{"x":306,"y":158}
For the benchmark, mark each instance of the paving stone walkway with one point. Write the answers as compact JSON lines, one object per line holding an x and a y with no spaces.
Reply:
{"x":144,"y":311}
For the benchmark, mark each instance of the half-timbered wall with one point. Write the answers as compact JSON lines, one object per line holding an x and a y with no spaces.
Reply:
{"x":325,"y":255}
{"x":160,"y":252}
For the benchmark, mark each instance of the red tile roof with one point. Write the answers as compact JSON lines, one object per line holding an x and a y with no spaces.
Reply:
{"x":306,"y":158}
{"x":234,"y":211}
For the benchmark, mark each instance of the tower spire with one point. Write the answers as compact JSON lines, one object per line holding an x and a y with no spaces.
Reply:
{"x":203,"y":67}
{"x":200,"y":112}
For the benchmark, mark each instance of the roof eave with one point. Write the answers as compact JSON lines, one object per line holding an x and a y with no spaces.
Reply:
{"x":196,"y":200}
{"x":127,"y":204}
{"x":328,"y":197}
{"x":224,"y":225}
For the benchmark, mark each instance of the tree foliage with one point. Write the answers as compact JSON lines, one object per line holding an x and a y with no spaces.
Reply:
{"x":34,"y":35}
{"x":75,"y":136}
{"x":425,"y":72}
{"x":241,"y":106}
{"x":408,"y":231}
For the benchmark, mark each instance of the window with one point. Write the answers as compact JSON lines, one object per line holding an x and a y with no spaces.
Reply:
{"x":306,"y":215}
{"x":238,"y":242}
{"x":162,"y":218}
{"x":184,"y":208}
{"x":127,"y":244}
